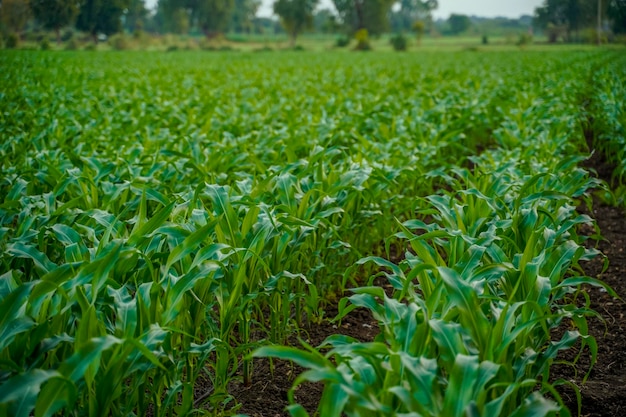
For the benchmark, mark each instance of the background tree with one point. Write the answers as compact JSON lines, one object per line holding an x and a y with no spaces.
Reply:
{"x":409,"y":11}
{"x":244,"y":12}
{"x":101,"y":16}
{"x":325,"y":21}
{"x":267,"y":25}
{"x":14,"y":14}
{"x":296,"y":16}
{"x":372,"y":15}
{"x":616,"y":13}
{"x":55,"y":14}
{"x":213,"y":16}
{"x":172,"y":17}
{"x":136,"y":15}
{"x":459,"y":23}
{"x":567,"y":15}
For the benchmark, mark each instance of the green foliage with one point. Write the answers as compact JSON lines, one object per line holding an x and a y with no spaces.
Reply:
{"x":342,"y":41}
{"x":608,"y":124}
{"x":178,"y":21}
{"x":214,"y":15}
{"x":100,"y":16}
{"x":157,"y":228}
{"x":362,"y":40}
{"x":135,"y":16}
{"x":295,"y":16}
{"x":399,"y":42}
{"x":244,"y":13}
{"x":418,"y":27}
{"x":67,"y":35}
{"x":568,"y":17}
{"x":119,"y":42}
{"x":412,"y":11}
{"x":55,"y":14}
{"x":14,"y":14}
{"x":459,"y":23}
{"x":44,"y":45}
{"x":12,"y":41}
{"x":72,"y":44}
{"x":616,"y":12}
{"x":370,"y":15}
{"x":209,"y":16}
{"x":524,"y":39}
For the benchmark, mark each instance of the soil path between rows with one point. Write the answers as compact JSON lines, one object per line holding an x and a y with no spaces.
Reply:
{"x":604,"y":392}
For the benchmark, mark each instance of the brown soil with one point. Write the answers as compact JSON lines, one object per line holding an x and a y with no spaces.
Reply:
{"x":603,"y":394}
{"x":268,"y":395}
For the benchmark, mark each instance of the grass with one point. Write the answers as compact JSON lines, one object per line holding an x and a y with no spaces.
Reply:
{"x":169,"y":217}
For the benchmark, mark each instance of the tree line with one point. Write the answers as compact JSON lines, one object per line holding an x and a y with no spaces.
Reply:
{"x":559,"y":19}
{"x":212,"y":17}
{"x":565,"y":19}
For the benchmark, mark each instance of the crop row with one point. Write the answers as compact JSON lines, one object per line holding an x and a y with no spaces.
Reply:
{"x":161,"y":220}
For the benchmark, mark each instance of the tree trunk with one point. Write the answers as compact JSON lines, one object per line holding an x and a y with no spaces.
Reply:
{"x":57,"y":31}
{"x":292,"y":39}
{"x":359,"y":15}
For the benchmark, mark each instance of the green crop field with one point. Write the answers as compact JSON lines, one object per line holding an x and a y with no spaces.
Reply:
{"x":170,"y":217}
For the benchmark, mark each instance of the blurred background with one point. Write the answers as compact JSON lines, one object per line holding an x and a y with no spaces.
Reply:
{"x":306,"y":24}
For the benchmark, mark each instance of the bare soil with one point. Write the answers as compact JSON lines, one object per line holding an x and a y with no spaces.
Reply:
{"x":603,"y":394}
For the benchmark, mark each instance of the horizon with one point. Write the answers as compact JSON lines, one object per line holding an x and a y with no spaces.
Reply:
{"x":479,"y":8}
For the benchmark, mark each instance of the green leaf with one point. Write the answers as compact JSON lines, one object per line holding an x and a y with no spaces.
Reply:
{"x":311,"y":360}
{"x":56,"y":394}
{"x":139,"y":235}
{"x":461,"y":385}
{"x":536,"y":406}
{"x":22,"y":385}
{"x":13,"y":321}
{"x":29,"y":252}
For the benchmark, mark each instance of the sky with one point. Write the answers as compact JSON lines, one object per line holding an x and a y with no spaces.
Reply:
{"x":485,"y":8}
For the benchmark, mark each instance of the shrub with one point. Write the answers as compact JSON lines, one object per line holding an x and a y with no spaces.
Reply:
{"x":119,"y":42}
{"x":12,"y":41}
{"x":399,"y":42}
{"x":524,"y":39}
{"x":419,"y":27}
{"x":485,"y":40}
{"x":362,"y":40}
{"x":44,"y":44}
{"x":67,"y":35}
{"x":191,"y":45}
{"x":34,"y":36}
{"x":72,"y":44}
{"x":591,"y":36}
{"x":236,"y":37}
{"x":342,"y":42}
